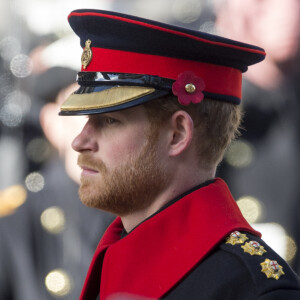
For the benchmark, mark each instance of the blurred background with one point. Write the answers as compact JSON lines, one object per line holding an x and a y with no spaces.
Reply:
{"x":47,"y":237}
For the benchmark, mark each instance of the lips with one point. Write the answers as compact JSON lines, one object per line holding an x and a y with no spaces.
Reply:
{"x":88,"y":171}
{"x":90,"y":165}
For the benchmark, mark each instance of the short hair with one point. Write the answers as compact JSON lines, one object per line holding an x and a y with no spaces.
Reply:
{"x":216,"y":124}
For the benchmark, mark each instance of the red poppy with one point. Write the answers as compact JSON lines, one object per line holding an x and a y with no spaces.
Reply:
{"x":188,"y":88}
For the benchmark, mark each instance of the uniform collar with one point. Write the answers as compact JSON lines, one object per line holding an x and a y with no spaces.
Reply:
{"x":125,"y":233}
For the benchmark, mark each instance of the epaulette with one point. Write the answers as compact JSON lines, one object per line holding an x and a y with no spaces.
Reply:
{"x":267,"y":269}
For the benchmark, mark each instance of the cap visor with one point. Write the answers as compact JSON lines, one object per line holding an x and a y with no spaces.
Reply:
{"x":113,"y":98}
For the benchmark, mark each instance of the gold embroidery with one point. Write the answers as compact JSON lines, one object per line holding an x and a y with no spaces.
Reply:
{"x":107,"y":98}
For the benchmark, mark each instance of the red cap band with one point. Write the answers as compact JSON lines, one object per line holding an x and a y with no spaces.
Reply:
{"x":218,"y":79}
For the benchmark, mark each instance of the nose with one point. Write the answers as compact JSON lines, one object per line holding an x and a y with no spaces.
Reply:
{"x":85,"y":140}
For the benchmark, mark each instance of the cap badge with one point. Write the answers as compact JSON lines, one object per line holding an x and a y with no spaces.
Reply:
{"x":87,"y":54}
{"x":254,"y":248}
{"x":236,"y":238}
{"x":188,"y":88}
{"x":272,"y":269}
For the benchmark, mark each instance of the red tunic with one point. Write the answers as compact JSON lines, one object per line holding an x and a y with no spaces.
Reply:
{"x":158,"y":253}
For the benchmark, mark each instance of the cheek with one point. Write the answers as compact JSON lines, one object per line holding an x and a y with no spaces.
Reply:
{"x":117,"y":151}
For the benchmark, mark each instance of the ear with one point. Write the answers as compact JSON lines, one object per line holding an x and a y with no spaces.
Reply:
{"x":182,"y":132}
{"x":51,"y":124}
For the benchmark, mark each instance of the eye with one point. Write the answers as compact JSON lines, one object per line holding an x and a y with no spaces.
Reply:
{"x":100,"y":121}
{"x":110,"y":121}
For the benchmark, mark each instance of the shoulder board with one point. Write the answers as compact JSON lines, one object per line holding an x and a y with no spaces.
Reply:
{"x":267,"y":269}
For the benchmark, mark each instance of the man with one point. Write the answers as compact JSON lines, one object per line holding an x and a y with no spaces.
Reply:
{"x":162,"y":106}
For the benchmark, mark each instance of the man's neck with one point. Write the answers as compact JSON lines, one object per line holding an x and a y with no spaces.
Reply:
{"x":173,"y":190}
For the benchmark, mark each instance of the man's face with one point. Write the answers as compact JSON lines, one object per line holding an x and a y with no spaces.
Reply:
{"x":122,"y":167}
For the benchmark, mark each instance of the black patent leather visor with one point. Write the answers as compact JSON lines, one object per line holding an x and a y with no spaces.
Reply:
{"x":101,"y":92}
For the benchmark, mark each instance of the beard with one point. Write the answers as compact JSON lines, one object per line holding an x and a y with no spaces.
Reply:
{"x":131,"y":187}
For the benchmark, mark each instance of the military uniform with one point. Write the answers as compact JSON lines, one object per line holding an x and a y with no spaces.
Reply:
{"x":192,"y":248}
{"x":199,"y":246}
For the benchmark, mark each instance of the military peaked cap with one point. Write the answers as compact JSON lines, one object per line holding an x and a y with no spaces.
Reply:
{"x":127,"y":61}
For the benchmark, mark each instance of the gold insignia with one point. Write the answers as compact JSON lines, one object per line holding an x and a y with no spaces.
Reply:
{"x":87,"y":54}
{"x":107,"y":98}
{"x":253,"y":248}
{"x":236,"y":238}
{"x":272,"y":269}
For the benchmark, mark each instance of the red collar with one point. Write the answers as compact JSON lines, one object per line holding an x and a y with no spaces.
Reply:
{"x":162,"y":250}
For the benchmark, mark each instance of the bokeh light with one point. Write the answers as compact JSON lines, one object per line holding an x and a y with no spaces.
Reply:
{"x":240,"y":154}
{"x":274,"y":235}
{"x":7,"y":85}
{"x":291,"y":248}
{"x":53,"y":219}
{"x":250,"y":208}
{"x":20,"y":99}
{"x":21,"y":66}
{"x":9,"y":47}
{"x":38,"y":150}
{"x":277,"y":238}
{"x":11,"y":198}
{"x":187,"y":11}
{"x":11,"y":115}
{"x":58,"y":283}
{"x":16,"y":105}
{"x":35,"y":182}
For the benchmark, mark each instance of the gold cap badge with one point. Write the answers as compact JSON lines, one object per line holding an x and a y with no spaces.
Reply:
{"x":254,"y":248}
{"x":236,"y":238}
{"x":272,"y":269}
{"x":87,"y":54}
